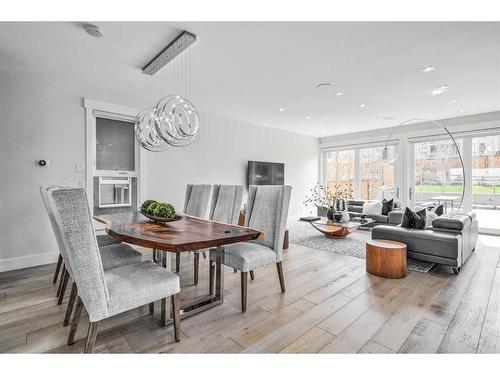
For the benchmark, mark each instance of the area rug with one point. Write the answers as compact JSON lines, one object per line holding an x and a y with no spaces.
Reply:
{"x":354,"y":245}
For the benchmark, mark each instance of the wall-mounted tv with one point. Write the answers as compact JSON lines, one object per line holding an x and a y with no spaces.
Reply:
{"x":265,"y":173}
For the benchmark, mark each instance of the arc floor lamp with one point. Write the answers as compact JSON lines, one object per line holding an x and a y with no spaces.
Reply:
{"x":389,"y":157}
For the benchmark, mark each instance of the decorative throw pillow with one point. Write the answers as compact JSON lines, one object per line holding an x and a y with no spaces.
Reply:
{"x":387,"y":206}
{"x":439,"y":210}
{"x":429,"y":217}
{"x":413,"y":220}
{"x":372,"y":208}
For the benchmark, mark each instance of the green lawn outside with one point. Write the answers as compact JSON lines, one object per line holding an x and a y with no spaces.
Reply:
{"x":454,"y":189}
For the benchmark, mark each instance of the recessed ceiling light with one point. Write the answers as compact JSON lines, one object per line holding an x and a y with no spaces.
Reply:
{"x":282,"y":109}
{"x":461,"y":111}
{"x":308,"y":117}
{"x":380,"y":115}
{"x":428,"y":69}
{"x":93,"y":30}
{"x":455,"y":100}
{"x":339,"y":93}
{"x":362,"y":105}
{"x":439,"y":90}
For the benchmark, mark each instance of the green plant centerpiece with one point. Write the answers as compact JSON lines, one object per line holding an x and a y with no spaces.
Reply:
{"x":158,"y":211}
{"x":164,"y":210}
{"x":329,"y":199}
{"x":145,"y":205}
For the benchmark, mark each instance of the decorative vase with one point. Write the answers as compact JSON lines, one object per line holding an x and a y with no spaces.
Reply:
{"x":337,"y":217}
{"x":345,"y":217}
{"x":331,"y":211}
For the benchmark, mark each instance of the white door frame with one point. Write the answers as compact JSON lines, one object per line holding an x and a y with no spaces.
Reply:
{"x":117,"y":112}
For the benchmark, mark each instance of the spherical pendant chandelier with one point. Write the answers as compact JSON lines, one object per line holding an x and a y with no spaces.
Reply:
{"x":174,"y":121}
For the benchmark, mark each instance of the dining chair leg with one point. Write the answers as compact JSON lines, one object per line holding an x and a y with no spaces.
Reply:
{"x":64,"y":285}
{"x":176,"y":309}
{"x":74,"y":323}
{"x":244,"y":280}
{"x":91,"y":337}
{"x":196,"y":267}
{"x":177,"y":263}
{"x":235,"y":270}
{"x":204,"y":253}
{"x":151,"y":308}
{"x":155,"y":256}
{"x":71,"y":303}
{"x":211,"y":275}
{"x":279,"y":266}
{"x":58,"y":267}
{"x":61,"y":280}
{"x":163,"y":317}
{"x":252,"y":276}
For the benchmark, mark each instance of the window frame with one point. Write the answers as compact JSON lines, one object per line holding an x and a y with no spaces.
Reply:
{"x":93,"y":109}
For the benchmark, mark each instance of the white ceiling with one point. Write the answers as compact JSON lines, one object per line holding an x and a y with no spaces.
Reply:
{"x":247,"y":71}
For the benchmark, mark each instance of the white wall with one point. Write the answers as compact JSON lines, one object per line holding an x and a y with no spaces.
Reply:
{"x":220,"y":154}
{"x":43,"y":117}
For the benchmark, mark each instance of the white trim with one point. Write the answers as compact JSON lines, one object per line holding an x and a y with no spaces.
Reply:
{"x":26,"y":261}
{"x":325,"y":147}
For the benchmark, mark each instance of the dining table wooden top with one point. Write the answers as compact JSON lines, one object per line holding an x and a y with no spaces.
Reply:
{"x":186,"y":234}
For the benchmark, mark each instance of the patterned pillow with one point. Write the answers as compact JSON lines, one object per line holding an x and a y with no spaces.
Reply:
{"x":413,"y":220}
{"x":387,"y":206}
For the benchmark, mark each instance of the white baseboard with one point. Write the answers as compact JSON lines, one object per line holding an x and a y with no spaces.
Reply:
{"x":27,"y":261}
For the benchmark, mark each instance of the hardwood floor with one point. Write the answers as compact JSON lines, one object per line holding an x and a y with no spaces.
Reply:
{"x":331,"y":305}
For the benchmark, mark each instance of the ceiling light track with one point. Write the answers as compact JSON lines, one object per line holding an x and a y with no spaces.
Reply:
{"x":175,"y":48}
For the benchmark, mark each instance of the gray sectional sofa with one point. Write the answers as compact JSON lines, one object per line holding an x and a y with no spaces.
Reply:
{"x":355,"y":209}
{"x":450,"y":240}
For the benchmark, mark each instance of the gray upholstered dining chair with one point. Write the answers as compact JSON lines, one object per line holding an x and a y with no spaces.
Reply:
{"x":267,"y":210}
{"x":113,"y":254}
{"x":224,"y":208}
{"x":196,"y":203}
{"x":104,"y":293}
{"x":102,"y":240}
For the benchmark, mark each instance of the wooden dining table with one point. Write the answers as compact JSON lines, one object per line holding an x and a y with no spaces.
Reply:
{"x":186,"y":234}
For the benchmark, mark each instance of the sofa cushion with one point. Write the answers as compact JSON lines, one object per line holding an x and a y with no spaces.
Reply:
{"x":355,"y":209}
{"x":387,"y":206}
{"x":413,"y":220}
{"x":453,"y":221}
{"x":372,"y":208}
{"x":353,"y":202}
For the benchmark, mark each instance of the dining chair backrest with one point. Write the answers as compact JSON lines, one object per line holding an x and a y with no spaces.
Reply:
{"x":57,"y":233}
{"x":267,"y":210}
{"x":226,"y":203}
{"x":197,"y":200}
{"x":74,"y":223}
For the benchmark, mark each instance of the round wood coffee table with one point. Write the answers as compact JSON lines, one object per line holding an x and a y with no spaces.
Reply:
{"x":386,"y":258}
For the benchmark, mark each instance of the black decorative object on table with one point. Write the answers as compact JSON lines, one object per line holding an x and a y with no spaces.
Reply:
{"x":337,"y":217}
{"x":331,"y":212}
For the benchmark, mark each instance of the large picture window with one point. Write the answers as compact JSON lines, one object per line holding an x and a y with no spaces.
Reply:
{"x":377,"y":178}
{"x":362,"y":171}
{"x":340,"y":169}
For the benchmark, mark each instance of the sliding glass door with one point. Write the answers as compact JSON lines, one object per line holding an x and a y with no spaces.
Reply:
{"x":438,"y":172}
{"x":486,"y":182}
{"x":438,"y":176}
